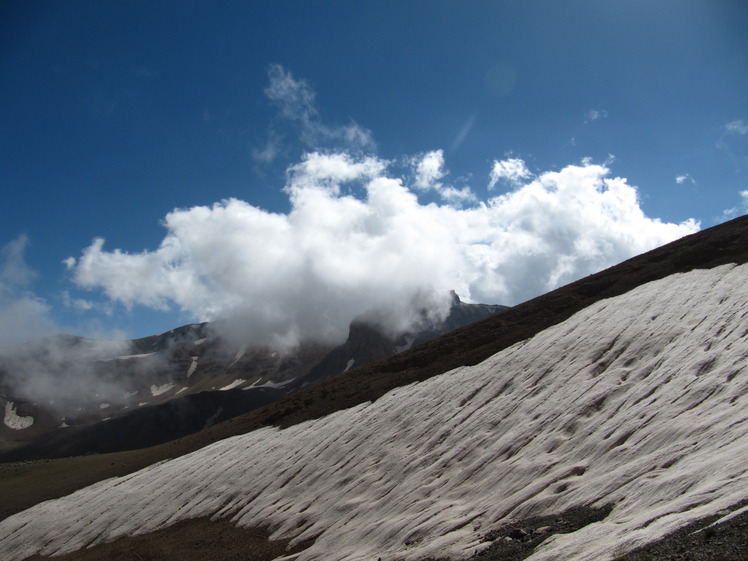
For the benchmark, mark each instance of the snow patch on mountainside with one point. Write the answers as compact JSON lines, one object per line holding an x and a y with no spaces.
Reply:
{"x":193,"y":366}
{"x":640,"y":401}
{"x":409,"y":340}
{"x":15,"y":421}
{"x":232,"y":385}
{"x":273,"y":385}
{"x":127,"y":357}
{"x":158,"y":390}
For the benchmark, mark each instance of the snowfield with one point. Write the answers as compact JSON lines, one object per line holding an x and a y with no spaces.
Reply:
{"x":640,"y":401}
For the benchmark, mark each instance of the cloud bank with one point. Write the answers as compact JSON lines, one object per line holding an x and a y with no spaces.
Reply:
{"x":357,"y":238}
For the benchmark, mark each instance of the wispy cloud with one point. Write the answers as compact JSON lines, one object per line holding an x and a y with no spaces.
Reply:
{"x":736,"y":127}
{"x":294,"y":97}
{"x":79,"y":304}
{"x":595,"y":115}
{"x":683,"y":178}
{"x":732,"y":143}
{"x":739,"y":209}
{"x":295,"y":101}
{"x":24,"y":314}
{"x":272,"y":149}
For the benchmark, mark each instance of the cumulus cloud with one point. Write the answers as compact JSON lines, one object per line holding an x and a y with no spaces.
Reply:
{"x":511,"y":170}
{"x":429,"y":172}
{"x":24,"y":315}
{"x":429,"y":169}
{"x":357,"y":238}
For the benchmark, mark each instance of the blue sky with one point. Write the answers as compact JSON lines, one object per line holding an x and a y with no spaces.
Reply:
{"x":119,"y":115}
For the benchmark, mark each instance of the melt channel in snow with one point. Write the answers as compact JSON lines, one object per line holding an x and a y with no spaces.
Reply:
{"x":640,"y":401}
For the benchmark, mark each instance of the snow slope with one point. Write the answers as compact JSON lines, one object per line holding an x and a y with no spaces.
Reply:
{"x":640,"y":401}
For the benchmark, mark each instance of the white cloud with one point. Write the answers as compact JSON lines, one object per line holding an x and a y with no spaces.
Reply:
{"x":295,"y":100}
{"x":330,"y":170}
{"x":428,"y":174}
{"x":79,"y":304}
{"x":681,"y":179}
{"x":429,"y":169}
{"x":340,"y":252}
{"x":24,"y":315}
{"x":14,"y":272}
{"x":294,"y":97}
{"x":736,"y":127}
{"x":595,"y":115}
{"x":511,"y":170}
{"x":739,"y":209}
{"x":268,"y":153}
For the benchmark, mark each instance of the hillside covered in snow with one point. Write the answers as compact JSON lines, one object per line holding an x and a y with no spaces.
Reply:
{"x":637,"y":403}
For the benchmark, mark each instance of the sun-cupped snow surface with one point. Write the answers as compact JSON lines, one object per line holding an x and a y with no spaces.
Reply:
{"x":640,"y":402}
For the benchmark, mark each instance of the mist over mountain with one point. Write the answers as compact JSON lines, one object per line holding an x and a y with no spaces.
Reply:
{"x":66,"y":395}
